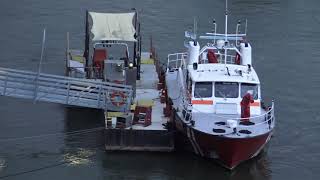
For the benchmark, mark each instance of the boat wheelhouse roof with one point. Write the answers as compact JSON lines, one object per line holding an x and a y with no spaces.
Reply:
{"x":218,"y":73}
{"x":113,"y":26}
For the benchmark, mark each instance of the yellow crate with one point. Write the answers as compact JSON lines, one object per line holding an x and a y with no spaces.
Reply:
{"x":147,"y":61}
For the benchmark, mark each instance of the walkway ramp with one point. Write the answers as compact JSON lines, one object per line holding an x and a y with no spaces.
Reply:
{"x":65,"y":90}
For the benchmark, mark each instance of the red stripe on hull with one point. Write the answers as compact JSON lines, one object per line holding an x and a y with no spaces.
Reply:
{"x":228,"y":151}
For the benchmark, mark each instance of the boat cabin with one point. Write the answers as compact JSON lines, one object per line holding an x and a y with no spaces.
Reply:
{"x":219,"y":75}
{"x":113,"y":35}
{"x":112,"y":50}
{"x":112,"y":54}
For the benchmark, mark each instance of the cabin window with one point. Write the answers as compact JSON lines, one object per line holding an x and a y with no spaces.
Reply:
{"x":245,"y":87}
{"x":226,"y":89}
{"x":203,"y":89}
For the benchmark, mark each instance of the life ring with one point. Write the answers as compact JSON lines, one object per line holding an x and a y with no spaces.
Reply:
{"x":118,"y":98}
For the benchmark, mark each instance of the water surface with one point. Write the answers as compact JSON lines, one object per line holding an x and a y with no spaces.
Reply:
{"x":284,"y":36}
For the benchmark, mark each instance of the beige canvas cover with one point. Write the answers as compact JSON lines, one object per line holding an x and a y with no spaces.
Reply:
{"x":113,"y":26}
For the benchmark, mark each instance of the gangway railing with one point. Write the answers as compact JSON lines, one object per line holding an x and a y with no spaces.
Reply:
{"x":65,"y":90}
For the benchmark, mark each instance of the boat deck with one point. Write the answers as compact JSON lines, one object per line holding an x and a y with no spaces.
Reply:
{"x":137,"y":137}
{"x":208,"y":122}
{"x":148,"y":95}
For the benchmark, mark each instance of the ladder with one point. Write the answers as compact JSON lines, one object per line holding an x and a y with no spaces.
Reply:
{"x":64,"y":90}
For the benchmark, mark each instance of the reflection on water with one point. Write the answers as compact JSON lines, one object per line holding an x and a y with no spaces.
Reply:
{"x":179,"y":166}
{"x":257,"y":168}
{"x":77,"y":119}
{"x":80,"y":156}
{"x":2,"y":163}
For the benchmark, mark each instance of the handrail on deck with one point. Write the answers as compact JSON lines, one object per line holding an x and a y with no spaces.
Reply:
{"x":268,"y":115}
{"x":176,"y":60}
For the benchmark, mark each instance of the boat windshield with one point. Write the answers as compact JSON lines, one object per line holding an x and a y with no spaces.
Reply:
{"x":245,"y":87}
{"x":226,"y":89}
{"x":203,"y":89}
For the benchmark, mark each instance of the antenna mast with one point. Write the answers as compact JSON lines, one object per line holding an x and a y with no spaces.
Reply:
{"x":226,"y":22}
{"x":195,"y":26}
{"x":226,"y":34}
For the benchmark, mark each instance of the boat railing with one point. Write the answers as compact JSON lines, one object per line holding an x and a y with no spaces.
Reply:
{"x":266,"y":119}
{"x":230,"y":58}
{"x":176,"y":60}
{"x":252,"y":122}
{"x":220,"y":58}
{"x":186,"y":110}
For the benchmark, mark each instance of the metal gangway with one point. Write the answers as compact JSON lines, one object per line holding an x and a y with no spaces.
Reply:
{"x":64,"y":90}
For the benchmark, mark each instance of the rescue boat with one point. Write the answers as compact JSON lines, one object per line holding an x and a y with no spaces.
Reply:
{"x":214,"y":95}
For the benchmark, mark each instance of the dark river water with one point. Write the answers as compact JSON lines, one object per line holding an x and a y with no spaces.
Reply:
{"x":285,"y":39}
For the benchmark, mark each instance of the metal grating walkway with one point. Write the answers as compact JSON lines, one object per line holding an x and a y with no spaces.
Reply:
{"x":64,"y":90}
